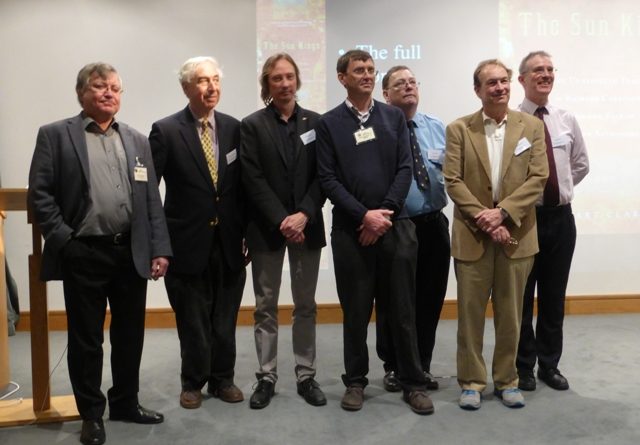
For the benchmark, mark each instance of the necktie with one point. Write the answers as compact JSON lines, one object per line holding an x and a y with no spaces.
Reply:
{"x":207,"y":148}
{"x":551,"y":195}
{"x":419,"y":169}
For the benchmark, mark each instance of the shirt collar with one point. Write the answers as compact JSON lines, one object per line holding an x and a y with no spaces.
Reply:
{"x":362,"y":117}
{"x":530,"y":107}
{"x":211,"y":118}
{"x":278,"y":115}
{"x":89,"y":124}
{"x":486,"y":119}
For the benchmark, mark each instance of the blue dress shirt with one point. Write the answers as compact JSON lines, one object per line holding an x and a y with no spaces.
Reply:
{"x":430,"y":134}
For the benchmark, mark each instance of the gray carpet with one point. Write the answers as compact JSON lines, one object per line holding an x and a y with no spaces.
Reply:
{"x":601,"y":361}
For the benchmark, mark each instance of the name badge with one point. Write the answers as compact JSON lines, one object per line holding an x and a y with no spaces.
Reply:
{"x":232,"y":156}
{"x":308,"y":137}
{"x":561,"y":141}
{"x":523,"y":145}
{"x":140,"y":174}
{"x":364,"y":135}
{"x":436,"y":155}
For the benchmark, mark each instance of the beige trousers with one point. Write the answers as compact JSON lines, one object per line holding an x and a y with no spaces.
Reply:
{"x":503,"y":280}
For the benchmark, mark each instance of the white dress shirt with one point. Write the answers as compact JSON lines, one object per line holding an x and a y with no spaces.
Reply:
{"x":494,"y":132}
{"x":569,"y":150}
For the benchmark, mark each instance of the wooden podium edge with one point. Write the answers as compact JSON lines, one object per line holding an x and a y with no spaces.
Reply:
{"x":4,"y":324}
{"x":19,"y":412}
{"x":42,"y":408}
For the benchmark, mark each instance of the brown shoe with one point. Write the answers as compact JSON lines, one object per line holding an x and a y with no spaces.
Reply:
{"x":419,"y":402}
{"x":353,"y":398}
{"x":190,"y":399}
{"x":230,"y":393}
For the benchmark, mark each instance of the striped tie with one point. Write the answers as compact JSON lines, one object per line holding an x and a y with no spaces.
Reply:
{"x":207,"y":148}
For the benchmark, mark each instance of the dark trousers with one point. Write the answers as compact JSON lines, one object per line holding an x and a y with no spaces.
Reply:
{"x":94,"y":273}
{"x":557,"y":240}
{"x":432,"y":274}
{"x":206,"y":307}
{"x":384,"y":272}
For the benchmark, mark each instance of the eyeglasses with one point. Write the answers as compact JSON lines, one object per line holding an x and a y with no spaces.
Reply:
{"x":542,"y":70}
{"x":402,"y":84}
{"x":361,"y":70}
{"x":100,"y":87}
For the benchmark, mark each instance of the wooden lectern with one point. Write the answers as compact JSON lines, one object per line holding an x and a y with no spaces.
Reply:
{"x":43,"y":408}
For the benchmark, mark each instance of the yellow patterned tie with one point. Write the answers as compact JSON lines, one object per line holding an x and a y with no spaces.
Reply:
{"x":207,"y":147}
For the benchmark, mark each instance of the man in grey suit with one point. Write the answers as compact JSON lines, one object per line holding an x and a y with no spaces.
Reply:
{"x":94,"y":194}
{"x":279,"y":174}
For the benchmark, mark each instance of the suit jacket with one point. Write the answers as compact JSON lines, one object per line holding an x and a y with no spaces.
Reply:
{"x":271,"y":184}
{"x":467,"y":173}
{"x":59,"y":194}
{"x":193,"y":206}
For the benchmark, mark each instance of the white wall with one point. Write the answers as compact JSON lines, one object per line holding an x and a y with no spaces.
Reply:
{"x":44,"y":44}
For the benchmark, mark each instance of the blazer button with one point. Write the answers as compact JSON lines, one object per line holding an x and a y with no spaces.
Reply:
{"x":217,"y":199}
{"x":213,"y":222}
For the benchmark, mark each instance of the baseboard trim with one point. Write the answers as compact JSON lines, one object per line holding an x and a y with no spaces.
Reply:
{"x":331,"y":313}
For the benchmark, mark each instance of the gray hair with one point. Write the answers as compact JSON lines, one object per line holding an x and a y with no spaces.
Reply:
{"x":188,"y":69}
{"x":523,"y":65}
{"x":84,"y":75}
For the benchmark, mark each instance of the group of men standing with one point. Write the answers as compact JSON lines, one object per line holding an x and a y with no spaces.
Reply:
{"x":254,"y":190}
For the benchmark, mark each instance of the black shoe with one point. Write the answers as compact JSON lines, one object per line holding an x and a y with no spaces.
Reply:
{"x":526,"y":380}
{"x":553,"y":378}
{"x":262,"y":394}
{"x":390,"y":382}
{"x":93,"y":432}
{"x":310,"y":390}
{"x":432,"y":383}
{"x":137,"y":414}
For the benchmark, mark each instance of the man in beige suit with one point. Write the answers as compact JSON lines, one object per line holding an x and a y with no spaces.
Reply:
{"x":495,"y":169}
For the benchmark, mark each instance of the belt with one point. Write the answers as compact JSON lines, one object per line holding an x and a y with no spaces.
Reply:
{"x":427,"y":217}
{"x":117,"y":239}
{"x":564,"y":209}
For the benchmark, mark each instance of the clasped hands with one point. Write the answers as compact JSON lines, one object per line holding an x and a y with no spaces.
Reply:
{"x":292,"y":227}
{"x":490,"y":221}
{"x":374,"y":224}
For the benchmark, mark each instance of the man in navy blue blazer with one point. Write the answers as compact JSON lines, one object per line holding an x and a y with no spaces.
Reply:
{"x":195,"y":151}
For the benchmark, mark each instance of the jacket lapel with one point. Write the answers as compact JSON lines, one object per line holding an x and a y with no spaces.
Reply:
{"x":130,"y":151}
{"x":189,"y":134}
{"x":224,"y":145}
{"x":79,"y":141}
{"x":272,"y":128}
{"x":302,"y":124}
{"x":479,"y":141}
{"x":512,"y":135}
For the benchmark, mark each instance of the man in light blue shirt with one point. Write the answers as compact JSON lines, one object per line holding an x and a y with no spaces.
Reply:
{"x":423,"y":206}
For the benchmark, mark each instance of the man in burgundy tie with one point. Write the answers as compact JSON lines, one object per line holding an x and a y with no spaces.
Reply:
{"x":568,"y":165}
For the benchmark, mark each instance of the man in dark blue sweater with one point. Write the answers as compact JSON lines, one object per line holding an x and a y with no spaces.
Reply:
{"x":364,"y":167}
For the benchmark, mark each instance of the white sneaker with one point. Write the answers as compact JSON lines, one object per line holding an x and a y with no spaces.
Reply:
{"x":511,"y":397}
{"x":469,"y":399}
